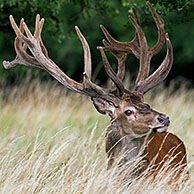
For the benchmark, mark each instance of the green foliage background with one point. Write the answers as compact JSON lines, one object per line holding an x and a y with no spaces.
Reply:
{"x":64,"y":46}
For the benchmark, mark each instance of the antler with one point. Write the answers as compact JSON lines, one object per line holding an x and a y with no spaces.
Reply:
{"x":40,"y":59}
{"x":139,"y":47}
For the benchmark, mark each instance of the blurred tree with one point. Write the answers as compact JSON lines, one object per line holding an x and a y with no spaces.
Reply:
{"x":64,"y":47}
{"x":28,"y":9}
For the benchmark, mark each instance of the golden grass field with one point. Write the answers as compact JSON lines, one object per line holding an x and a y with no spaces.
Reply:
{"x":52,"y":142}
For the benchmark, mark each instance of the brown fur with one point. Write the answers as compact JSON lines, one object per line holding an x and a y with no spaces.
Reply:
{"x":166,"y":147}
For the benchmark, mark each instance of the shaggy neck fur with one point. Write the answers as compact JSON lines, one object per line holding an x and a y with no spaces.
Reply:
{"x":132,"y":147}
{"x":122,"y":146}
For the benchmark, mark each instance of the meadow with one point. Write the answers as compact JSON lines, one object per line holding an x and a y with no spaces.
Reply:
{"x":52,"y":141}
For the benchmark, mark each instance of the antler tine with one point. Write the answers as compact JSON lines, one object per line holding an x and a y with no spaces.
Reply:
{"x":37,"y":31}
{"x":121,"y":58}
{"x":22,"y":31}
{"x":160,"y":74}
{"x":87,"y":54}
{"x":161,"y":32}
{"x":37,"y":34}
{"x":145,"y":57}
{"x":111,"y":73}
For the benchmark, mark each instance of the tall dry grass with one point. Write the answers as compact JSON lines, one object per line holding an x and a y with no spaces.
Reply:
{"x":53,"y":142}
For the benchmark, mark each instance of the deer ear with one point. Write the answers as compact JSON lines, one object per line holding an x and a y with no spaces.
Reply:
{"x":103,"y":106}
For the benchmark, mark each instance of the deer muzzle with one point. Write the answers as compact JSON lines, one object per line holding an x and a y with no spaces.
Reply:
{"x":164,"y":119}
{"x":164,"y":122}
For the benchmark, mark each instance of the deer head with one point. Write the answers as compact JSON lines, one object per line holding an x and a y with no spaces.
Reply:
{"x":125,"y":107}
{"x":130,"y":112}
{"x":136,"y":118}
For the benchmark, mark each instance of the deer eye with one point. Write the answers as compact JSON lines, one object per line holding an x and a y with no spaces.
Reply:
{"x":110,"y":103}
{"x":128,"y":112}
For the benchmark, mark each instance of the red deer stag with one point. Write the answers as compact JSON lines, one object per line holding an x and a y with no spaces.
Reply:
{"x":133,"y":123}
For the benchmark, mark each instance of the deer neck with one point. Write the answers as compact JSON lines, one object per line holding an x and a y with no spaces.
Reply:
{"x":132,"y":147}
{"x":128,"y":145}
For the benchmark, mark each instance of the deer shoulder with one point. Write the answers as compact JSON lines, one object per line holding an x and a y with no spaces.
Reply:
{"x":166,"y":149}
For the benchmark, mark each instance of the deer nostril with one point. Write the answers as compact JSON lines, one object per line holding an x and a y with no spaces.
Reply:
{"x":164,"y":119}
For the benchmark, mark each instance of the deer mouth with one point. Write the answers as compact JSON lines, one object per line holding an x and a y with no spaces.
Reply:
{"x":159,"y":129}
